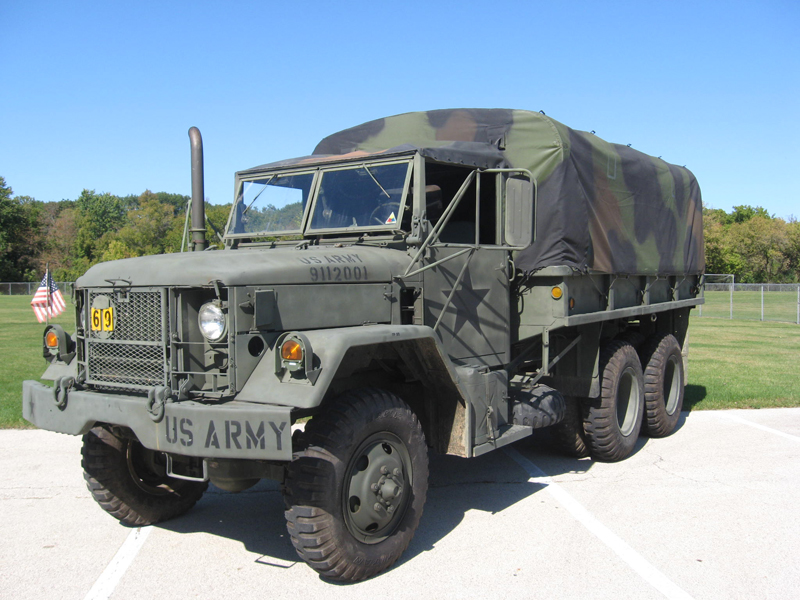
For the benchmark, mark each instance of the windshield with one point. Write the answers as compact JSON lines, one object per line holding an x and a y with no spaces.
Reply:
{"x":367,"y":196}
{"x":272,"y":204}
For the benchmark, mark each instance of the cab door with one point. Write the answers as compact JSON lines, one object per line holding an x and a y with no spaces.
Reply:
{"x":466,"y":280}
{"x":466,"y":300}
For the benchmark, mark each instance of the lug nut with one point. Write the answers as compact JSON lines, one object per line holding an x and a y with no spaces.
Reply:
{"x":374,"y":487}
{"x":377,"y":507}
{"x":384,"y":470}
{"x":397,"y":472}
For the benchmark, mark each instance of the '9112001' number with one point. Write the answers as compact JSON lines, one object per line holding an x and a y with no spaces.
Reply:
{"x":338,"y":273}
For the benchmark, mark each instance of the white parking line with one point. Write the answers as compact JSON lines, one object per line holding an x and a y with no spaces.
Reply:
{"x":635,"y":560}
{"x":108,"y":580}
{"x":738,"y":419}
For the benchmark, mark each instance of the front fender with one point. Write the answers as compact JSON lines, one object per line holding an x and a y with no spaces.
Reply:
{"x":329,"y":347}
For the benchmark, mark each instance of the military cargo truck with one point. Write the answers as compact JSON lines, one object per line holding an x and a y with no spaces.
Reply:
{"x":449,"y":280}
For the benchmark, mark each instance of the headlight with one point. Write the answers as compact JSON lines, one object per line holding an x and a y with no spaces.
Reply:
{"x":212,"y":321}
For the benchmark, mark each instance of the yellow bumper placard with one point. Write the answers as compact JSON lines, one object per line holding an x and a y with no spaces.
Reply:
{"x":103,"y":319}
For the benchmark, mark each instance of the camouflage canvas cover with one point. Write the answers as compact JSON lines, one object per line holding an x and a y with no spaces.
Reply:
{"x":601,"y":206}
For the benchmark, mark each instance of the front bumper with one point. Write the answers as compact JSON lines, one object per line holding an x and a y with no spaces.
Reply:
{"x":231,"y":429}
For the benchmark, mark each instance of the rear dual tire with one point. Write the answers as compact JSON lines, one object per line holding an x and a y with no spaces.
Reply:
{"x":663,"y":384}
{"x":613,"y":421}
{"x":632,"y":399}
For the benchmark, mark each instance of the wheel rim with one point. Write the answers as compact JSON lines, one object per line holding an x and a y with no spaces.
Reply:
{"x":377,"y":487}
{"x":672,"y":384}
{"x":627,"y":402}
{"x":148,"y":469}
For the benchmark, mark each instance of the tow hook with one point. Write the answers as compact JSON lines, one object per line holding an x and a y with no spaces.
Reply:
{"x":61,"y":389}
{"x":157,"y":399}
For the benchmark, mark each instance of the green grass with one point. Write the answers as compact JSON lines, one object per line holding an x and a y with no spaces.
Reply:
{"x":778,"y":306}
{"x":742,"y":364}
{"x":21,"y":353}
{"x":732,"y":364}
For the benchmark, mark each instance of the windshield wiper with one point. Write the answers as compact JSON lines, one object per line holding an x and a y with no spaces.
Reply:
{"x":366,"y":168}
{"x":271,"y":177}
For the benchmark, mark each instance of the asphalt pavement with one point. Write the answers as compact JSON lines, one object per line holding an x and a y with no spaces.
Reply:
{"x":709,"y":512}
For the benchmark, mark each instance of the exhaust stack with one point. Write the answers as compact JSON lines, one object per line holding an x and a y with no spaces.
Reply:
{"x":198,"y":192}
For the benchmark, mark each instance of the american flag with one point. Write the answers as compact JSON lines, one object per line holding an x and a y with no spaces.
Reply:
{"x":47,"y":301}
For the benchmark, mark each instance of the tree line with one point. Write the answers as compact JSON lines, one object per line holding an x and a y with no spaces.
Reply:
{"x":751,"y":244}
{"x":72,"y":235}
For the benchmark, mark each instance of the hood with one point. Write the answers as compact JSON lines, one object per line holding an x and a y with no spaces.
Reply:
{"x":262,"y":266}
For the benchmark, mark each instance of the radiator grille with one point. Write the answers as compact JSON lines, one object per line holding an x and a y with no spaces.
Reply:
{"x":134,"y":353}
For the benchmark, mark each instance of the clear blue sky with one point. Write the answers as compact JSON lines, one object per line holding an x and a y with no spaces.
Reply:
{"x":100,"y":95}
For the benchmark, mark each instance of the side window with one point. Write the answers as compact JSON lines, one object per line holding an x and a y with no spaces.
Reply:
{"x":474,"y":218}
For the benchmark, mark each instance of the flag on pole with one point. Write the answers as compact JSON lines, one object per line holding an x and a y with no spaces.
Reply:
{"x":47,"y":301}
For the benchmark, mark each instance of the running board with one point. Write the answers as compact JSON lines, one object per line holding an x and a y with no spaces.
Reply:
{"x":508,"y":435}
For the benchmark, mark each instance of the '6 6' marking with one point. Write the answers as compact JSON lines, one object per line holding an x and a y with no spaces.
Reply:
{"x":228,"y":434}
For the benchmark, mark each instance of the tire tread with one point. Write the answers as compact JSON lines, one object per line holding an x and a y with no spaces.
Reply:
{"x":312,"y":528}
{"x":654,"y":355}
{"x":111,"y":485}
{"x":604,"y":438}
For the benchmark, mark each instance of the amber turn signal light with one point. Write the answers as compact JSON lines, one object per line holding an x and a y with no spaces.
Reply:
{"x":292,"y":350}
{"x":51,"y":339}
{"x":557,"y":292}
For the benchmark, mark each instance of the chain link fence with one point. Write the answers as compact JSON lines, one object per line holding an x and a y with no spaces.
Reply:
{"x":28,"y":288}
{"x":727,"y":299}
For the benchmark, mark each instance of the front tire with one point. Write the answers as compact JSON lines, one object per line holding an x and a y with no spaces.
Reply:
{"x":613,"y":421}
{"x":130,"y":483}
{"x":355,"y":495}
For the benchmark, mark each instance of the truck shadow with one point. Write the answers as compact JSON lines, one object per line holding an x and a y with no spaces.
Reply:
{"x":693,"y":395}
{"x":489,"y":483}
{"x":253,"y":517}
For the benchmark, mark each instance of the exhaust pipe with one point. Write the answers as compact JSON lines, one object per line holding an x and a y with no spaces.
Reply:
{"x":198,"y":192}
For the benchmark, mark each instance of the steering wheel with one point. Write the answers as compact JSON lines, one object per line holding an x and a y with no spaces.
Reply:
{"x":374,"y":216}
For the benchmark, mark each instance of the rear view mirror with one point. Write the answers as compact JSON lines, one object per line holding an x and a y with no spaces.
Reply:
{"x":519,"y":210}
